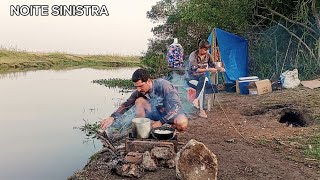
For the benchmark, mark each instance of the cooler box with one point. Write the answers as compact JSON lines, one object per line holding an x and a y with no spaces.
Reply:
{"x":243,"y":84}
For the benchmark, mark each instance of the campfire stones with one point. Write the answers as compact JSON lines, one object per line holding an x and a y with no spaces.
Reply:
{"x":167,"y":163}
{"x":164,"y":153}
{"x":148,"y":163}
{"x":135,"y":163}
{"x":129,"y":170}
{"x":142,"y":146}
{"x":171,"y":163}
{"x":133,"y":157}
{"x":145,"y":155}
{"x":195,"y":161}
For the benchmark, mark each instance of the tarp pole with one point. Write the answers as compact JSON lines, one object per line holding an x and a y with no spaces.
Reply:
{"x":213,"y":47}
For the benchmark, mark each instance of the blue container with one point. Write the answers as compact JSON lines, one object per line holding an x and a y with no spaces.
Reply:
{"x":243,"y":85}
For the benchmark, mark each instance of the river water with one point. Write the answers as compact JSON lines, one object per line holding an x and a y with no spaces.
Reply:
{"x":38,"y":113}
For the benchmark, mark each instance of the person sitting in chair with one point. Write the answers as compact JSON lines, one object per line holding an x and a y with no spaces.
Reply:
{"x":200,"y":62}
{"x":155,"y":99}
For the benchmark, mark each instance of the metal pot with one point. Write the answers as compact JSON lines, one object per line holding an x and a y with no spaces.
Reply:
{"x":141,"y":127}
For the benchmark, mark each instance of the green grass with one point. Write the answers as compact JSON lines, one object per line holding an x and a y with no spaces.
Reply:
{"x":313,"y":147}
{"x":17,"y":61}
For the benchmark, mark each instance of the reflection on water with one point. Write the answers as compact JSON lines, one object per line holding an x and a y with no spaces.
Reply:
{"x":13,"y":75}
{"x":38,"y":111}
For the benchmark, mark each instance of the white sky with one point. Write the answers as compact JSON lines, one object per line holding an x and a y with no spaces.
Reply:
{"x":124,"y":32}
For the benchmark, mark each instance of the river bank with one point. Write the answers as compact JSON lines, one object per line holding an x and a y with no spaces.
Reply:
{"x":246,"y":135}
{"x":22,"y":61}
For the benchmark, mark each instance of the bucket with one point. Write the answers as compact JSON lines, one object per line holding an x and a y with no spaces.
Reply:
{"x":141,"y":127}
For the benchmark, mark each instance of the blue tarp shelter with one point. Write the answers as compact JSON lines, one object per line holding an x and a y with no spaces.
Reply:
{"x":233,"y":52}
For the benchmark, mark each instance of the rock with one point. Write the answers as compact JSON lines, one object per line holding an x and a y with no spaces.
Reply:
{"x":133,"y":157}
{"x":167,"y":163}
{"x":148,"y":163}
{"x":162,"y":163}
{"x":230,"y":141}
{"x":296,"y":145}
{"x":164,"y":152}
{"x":129,"y":170}
{"x":196,"y":162}
{"x":171,"y":163}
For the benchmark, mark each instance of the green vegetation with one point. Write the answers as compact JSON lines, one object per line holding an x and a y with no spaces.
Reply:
{"x":124,"y":84}
{"x":310,"y":144}
{"x":15,"y":61}
{"x":89,"y":129}
{"x":313,"y":147}
{"x":282,"y":34}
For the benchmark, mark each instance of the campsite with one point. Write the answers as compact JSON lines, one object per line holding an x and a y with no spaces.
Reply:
{"x":249,"y":142}
{"x":264,"y":131}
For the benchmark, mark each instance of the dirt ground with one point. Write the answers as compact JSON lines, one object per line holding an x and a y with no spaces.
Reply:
{"x":247,"y":138}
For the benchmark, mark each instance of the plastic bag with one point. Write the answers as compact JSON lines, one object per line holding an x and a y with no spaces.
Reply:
{"x":290,"y":79}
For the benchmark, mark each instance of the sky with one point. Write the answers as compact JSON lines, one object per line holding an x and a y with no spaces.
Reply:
{"x":124,"y":32}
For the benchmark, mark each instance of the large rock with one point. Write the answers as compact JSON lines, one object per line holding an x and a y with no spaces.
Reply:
{"x":148,"y":163}
{"x":196,"y":162}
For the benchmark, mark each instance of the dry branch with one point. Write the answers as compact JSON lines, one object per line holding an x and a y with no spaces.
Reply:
{"x":315,"y":13}
{"x":106,"y":142}
{"x":290,"y":20}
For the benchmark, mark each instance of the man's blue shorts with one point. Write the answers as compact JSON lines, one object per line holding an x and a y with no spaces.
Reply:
{"x":156,"y":115}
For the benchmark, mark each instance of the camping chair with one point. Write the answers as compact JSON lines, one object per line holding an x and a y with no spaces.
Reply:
{"x":208,"y":88}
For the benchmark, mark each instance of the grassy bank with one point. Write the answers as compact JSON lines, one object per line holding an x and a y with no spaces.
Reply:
{"x":15,"y":61}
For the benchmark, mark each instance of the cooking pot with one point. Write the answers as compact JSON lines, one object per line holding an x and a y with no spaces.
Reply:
{"x":163,"y":133}
{"x":141,"y":127}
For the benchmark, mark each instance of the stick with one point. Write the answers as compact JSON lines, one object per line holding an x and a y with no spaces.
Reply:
{"x":275,"y":39}
{"x":286,"y":55}
{"x":106,"y":142}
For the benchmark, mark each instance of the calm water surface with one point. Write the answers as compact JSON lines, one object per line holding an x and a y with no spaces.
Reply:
{"x":38,"y":110}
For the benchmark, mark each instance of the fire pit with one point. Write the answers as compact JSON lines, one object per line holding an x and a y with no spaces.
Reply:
{"x":147,"y":154}
{"x":142,"y":145}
